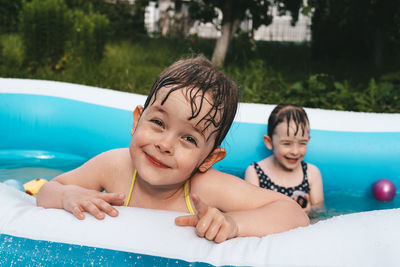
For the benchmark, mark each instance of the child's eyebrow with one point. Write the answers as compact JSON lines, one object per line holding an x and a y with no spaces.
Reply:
{"x":159,"y":109}
{"x":195,"y":127}
{"x":200,"y":131}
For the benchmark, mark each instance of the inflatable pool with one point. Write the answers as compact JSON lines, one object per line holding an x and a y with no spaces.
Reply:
{"x":45,"y":121}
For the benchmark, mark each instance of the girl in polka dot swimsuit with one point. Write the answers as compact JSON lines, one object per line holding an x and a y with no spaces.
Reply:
{"x":285,"y":171}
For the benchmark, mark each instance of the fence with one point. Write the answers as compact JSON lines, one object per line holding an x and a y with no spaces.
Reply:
{"x":279,"y":30}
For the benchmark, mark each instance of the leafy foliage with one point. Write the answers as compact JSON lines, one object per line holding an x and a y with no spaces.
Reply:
{"x":366,"y":30}
{"x":12,"y":52}
{"x":125,"y":20}
{"x":260,"y":84}
{"x":90,"y":34}
{"x":45,"y":26}
{"x":9,"y":15}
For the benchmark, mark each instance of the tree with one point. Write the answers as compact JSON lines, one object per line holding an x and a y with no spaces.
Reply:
{"x":9,"y":15}
{"x":363,"y":30}
{"x":233,"y":13}
{"x":126,"y":17}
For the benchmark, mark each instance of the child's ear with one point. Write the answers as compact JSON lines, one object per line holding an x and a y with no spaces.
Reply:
{"x":268,"y":142}
{"x":217,"y":155}
{"x":136,"y":116}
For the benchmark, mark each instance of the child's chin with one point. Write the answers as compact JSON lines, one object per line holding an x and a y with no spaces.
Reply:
{"x":290,"y":166}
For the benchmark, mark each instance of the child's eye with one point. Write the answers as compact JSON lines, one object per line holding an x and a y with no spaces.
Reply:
{"x":158,"y":122}
{"x":190,"y":139}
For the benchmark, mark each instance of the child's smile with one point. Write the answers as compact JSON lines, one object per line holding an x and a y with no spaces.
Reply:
{"x":156,"y":162}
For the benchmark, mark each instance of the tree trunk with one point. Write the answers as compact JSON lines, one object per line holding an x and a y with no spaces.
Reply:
{"x":229,"y":29}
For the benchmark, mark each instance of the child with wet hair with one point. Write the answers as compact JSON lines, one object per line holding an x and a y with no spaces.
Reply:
{"x":285,"y":171}
{"x":176,"y":139}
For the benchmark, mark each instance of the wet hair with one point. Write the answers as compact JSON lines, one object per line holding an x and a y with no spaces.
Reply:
{"x":201,"y":78}
{"x":287,"y":113}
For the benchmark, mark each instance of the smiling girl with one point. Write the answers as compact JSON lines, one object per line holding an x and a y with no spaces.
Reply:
{"x":285,"y":171}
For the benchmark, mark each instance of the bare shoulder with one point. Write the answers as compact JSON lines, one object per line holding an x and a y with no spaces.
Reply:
{"x":250,"y":170}
{"x":211,"y":179}
{"x":109,"y":160}
{"x":228,"y":192}
{"x":251,"y":175}
{"x":313,"y":172}
{"x":97,"y":170}
{"x":115,"y":156}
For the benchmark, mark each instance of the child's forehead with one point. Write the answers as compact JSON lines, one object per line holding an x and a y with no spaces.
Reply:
{"x":292,"y":128}
{"x":188,"y":93}
{"x":182,"y":100}
{"x":196,"y":106}
{"x":198,"y":103}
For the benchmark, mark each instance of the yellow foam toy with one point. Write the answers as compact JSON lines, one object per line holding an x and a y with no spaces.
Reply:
{"x":32,"y":187}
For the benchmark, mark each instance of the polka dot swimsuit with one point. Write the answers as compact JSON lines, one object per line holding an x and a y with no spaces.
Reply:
{"x":265,"y":182}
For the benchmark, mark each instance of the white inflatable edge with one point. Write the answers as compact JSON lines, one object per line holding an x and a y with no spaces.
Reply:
{"x":359,"y":239}
{"x":331,"y":120}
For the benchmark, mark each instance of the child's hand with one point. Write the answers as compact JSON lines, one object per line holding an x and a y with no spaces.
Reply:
{"x":210,"y":222}
{"x":96,"y":203}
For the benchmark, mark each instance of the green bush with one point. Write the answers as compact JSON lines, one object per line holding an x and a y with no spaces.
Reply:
{"x":257,"y":83}
{"x":260,"y":84}
{"x":90,"y":34}
{"x":9,"y":15}
{"x":378,"y":97}
{"x":11,"y":51}
{"x":126,"y":19}
{"x":45,"y":26}
{"x":320,"y":91}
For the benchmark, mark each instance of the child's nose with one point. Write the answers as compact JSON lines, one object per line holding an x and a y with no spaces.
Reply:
{"x":166,"y":144}
{"x":295,"y":149}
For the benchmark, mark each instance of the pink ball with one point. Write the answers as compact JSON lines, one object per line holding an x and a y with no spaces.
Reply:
{"x":384,"y":190}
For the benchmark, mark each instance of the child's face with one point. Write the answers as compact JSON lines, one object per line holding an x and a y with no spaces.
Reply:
{"x":289,"y":150}
{"x":167,"y":147}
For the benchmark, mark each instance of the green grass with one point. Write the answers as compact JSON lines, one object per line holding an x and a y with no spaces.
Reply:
{"x":266,"y":72}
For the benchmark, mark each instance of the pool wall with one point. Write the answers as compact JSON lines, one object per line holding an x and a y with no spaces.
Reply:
{"x":351,"y":149}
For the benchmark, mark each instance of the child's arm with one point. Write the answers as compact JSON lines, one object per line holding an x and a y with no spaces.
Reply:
{"x":80,"y":190}
{"x":247,"y":210}
{"x":316,"y":186}
{"x":251,"y":176}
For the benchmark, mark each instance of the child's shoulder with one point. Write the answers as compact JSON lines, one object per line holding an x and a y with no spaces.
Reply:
{"x":115,"y":157}
{"x":313,"y":172}
{"x":312,"y":167}
{"x":114,"y":154}
{"x":212,"y":179}
{"x":264,"y":162}
{"x":117,"y":152}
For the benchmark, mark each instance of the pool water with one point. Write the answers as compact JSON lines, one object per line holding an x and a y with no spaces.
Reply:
{"x":16,"y":251}
{"x":339,"y":202}
{"x":24,"y":165}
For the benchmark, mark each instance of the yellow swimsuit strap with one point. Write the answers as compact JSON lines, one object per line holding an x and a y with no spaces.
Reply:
{"x":185,"y":188}
{"x":131,"y":190}
{"x":187,"y":197}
